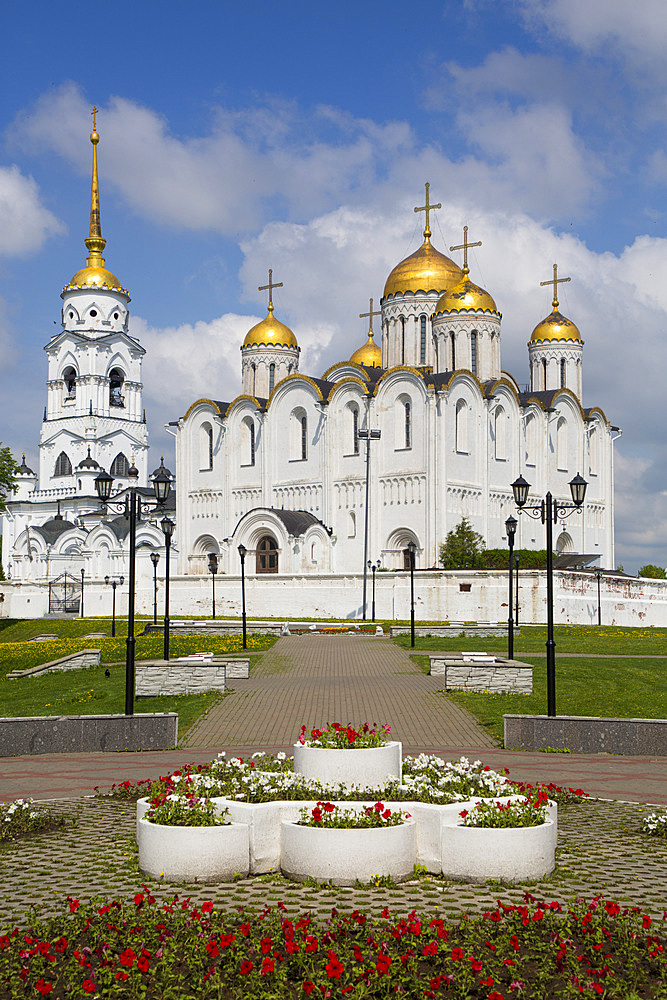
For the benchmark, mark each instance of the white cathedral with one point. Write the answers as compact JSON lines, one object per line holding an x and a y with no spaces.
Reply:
{"x":282,"y":469}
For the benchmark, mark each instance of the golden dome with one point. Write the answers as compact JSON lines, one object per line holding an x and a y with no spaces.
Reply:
{"x":465,"y":296}
{"x":555,"y":327}
{"x":370,"y":355}
{"x":270,"y":332}
{"x":425,"y":270}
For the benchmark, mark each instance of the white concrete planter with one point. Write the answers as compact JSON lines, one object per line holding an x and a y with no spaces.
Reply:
{"x":511,"y":854}
{"x":193,"y":853}
{"x":363,"y":768}
{"x":347,"y":856}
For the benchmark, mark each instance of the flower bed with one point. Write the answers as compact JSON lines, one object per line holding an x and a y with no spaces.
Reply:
{"x":656,"y":824}
{"x":528,"y":949}
{"x":22,"y":818}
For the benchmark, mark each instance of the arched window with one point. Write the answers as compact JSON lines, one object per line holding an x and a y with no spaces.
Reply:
{"x":407,"y":420}
{"x":561,"y":444}
{"x":402,"y":340}
{"x":544,"y":373}
{"x":298,"y":435}
{"x":120,"y":466}
{"x":248,"y":443}
{"x":205,"y":447}
{"x":593,"y":451}
{"x":452,"y":340}
{"x":531,"y":440}
{"x":351,"y":525}
{"x":500,"y":433}
{"x":116,"y":380}
{"x":69,"y":378}
{"x":462,"y":426}
{"x":403,"y":423}
{"x":266,"y":555}
{"x":272,"y":377}
{"x":422,"y":340}
{"x":253,"y":369}
{"x":563,"y":369}
{"x":353,"y":410}
{"x":473,"y":352}
{"x":63,"y":465}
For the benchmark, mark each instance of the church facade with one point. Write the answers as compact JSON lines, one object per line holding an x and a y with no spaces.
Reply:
{"x":397,"y":444}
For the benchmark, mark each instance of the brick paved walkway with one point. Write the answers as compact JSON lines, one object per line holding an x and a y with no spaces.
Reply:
{"x":320,"y":679}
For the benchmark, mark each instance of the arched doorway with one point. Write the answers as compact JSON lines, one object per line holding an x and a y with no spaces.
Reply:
{"x":266,"y":555}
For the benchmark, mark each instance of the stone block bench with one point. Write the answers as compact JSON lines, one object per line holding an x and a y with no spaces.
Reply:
{"x":187,"y":675}
{"x":74,"y":661}
{"x":482,"y":672}
{"x":586,"y":734}
{"x":88,"y":733}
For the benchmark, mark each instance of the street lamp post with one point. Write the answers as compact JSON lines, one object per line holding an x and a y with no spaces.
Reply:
{"x":516,"y":607}
{"x":373,"y":567}
{"x":213,"y":568}
{"x":367,"y":435}
{"x":510,"y":528}
{"x":82,"y":576}
{"x":167,"y":526}
{"x":132,"y":504}
{"x":598,"y":573}
{"x":412,"y":548}
{"x":114,"y":584}
{"x":548,"y":511}
{"x":155,"y":558}
{"x":242,"y":552}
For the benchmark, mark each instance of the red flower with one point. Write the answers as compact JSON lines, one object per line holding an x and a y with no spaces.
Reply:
{"x":122,"y":975}
{"x":496,"y":995}
{"x":329,"y":807}
{"x":246,"y":967}
{"x":292,"y":947}
{"x":514,"y":941}
{"x":646,"y":922}
{"x":457,"y":954}
{"x":127,"y":957}
{"x":311,"y":943}
{"x":139,"y":898}
{"x":379,"y":806}
{"x":308,"y":987}
{"x":489,"y":981}
{"x":317,"y":814}
{"x":226,"y":940}
{"x":206,"y":907}
{"x":383,"y":963}
{"x":387,"y":813}
{"x":475,"y":963}
{"x":74,"y":904}
{"x":212,"y":948}
{"x":463,"y":813}
{"x":333,"y":967}
{"x":430,"y":949}
{"x":266,"y":944}
{"x":4,"y":941}
{"x":268,"y":965}
{"x":88,"y":986}
{"x":143,"y":964}
{"x":245,"y":929}
{"x":43,"y":987}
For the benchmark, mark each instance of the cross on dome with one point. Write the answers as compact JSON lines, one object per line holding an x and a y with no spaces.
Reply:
{"x":370,"y":314}
{"x":427,"y":208}
{"x":271,"y":285}
{"x":555,"y":281}
{"x":464,"y":246}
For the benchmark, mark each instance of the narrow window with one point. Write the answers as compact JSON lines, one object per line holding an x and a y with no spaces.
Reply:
{"x":120,"y":467}
{"x":352,"y":525}
{"x":453,"y":342}
{"x":562,"y":373}
{"x":422,"y":341}
{"x":253,"y":369}
{"x":63,"y":465}
{"x":461,"y":426}
{"x":593,"y":452}
{"x":116,"y":380}
{"x":355,"y":430}
{"x":304,"y":438}
{"x":69,"y":378}
{"x":272,"y":377}
{"x":252,"y":443}
{"x":500,"y":430}
{"x":561,"y":444}
{"x":408,"y":424}
{"x":544,"y":372}
{"x":473,"y":352}
{"x":206,"y":447}
{"x":402,"y":341}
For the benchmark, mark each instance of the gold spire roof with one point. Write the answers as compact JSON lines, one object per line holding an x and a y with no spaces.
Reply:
{"x":555,"y":327}
{"x":270,"y":332}
{"x":94,"y":274}
{"x":369,"y":354}
{"x":425,"y":270}
{"x":465,"y":296}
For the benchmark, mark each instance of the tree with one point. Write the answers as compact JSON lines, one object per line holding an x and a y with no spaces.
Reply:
{"x":652,"y":572}
{"x":8,"y":470}
{"x":462,"y":548}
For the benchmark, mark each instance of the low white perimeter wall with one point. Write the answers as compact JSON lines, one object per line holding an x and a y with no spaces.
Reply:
{"x":439,"y":595}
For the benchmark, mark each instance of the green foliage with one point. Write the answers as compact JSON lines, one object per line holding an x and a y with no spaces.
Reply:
{"x":462,"y":548}
{"x":528,"y":558}
{"x":8,"y":469}
{"x":652,"y":572}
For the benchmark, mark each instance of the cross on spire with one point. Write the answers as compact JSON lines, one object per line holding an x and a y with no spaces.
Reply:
{"x":428,"y":208}
{"x":555,"y":281}
{"x":464,"y":246}
{"x":271,"y":285}
{"x":94,"y":113}
{"x":370,"y":313}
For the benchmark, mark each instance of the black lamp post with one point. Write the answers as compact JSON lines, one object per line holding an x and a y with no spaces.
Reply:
{"x":130,"y":502}
{"x":167,"y":526}
{"x":510,"y":528}
{"x":516,"y":606}
{"x":242,"y":552}
{"x":367,"y":436}
{"x":548,"y":511}
{"x":373,"y":567}
{"x":213,"y":568}
{"x":598,"y":573}
{"x":114,"y":584}
{"x":82,"y":576}
{"x":155,"y":558}
{"x":412,"y":548}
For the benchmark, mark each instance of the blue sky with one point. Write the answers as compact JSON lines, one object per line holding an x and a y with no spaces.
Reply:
{"x":298,"y":136}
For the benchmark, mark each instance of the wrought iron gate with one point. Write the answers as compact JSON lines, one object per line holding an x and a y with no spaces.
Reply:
{"x":65,"y":595}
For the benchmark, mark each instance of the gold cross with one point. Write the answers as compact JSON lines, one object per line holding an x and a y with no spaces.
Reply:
{"x":428,"y":208}
{"x":555,"y":281}
{"x":94,"y":113}
{"x":371,"y":314}
{"x":271,"y":285}
{"x":464,"y":246}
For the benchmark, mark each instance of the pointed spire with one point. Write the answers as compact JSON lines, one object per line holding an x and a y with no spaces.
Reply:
{"x":95,"y":241}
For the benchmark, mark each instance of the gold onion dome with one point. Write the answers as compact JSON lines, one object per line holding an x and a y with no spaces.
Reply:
{"x":425,"y":270}
{"x":270,"y":332}
{"x":465,"y":296}
{"x":94,"y":274}
{"x":555,"y":327}
{"x":369,"y":355}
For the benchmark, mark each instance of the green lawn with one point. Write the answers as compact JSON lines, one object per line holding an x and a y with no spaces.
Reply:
{"x":618,"y":687}
{"x":569,"y":639}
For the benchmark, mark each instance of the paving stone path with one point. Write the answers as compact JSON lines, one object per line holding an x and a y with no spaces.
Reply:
{"x":314,"y":680}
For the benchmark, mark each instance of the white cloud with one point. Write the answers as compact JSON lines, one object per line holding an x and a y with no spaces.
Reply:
{"x":24,"y":222}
